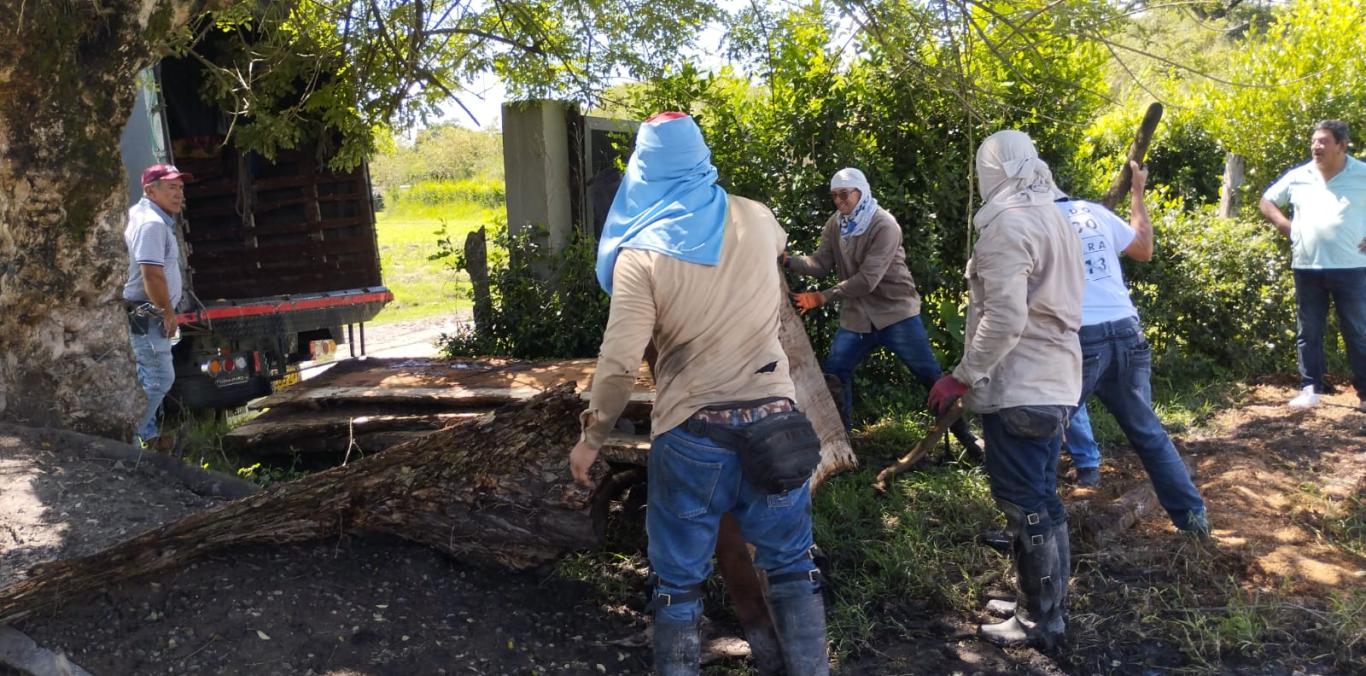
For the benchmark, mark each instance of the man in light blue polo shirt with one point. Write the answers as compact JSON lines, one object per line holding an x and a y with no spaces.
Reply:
{"x":152,"y":292}
{"x":1328,"y":238}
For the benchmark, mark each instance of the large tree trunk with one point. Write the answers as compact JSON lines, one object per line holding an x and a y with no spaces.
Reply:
{"x":66,"y":89}
{"x":495,"y":489}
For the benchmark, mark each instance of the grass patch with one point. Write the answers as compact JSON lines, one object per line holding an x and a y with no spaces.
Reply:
{"x":407,"y":238}
{"x":914,"y":547}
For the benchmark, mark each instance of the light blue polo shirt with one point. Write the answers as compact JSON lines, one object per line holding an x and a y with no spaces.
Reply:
{"x":150,"y":237}
{"x":1329,"y":219}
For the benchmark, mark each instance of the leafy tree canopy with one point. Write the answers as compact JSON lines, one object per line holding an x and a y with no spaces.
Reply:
{"x":364,"y":65}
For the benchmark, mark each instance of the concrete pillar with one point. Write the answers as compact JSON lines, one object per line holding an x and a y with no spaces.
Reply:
{"x":537,"y":167}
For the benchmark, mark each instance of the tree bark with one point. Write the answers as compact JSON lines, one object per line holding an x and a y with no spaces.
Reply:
{"x":495,"y":489}
{"x":813,"y":397}
{"x":66,"y":89}
{"x":477,"y":265}
{"x":1137,"y":151}
{"x":1234,"y":167}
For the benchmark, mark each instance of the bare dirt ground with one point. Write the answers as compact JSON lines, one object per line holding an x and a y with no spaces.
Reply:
{"x":370,"y":605}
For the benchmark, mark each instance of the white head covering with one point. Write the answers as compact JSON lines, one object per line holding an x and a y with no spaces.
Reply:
{"x":861,"y":217}
{"x":1011,"y":175}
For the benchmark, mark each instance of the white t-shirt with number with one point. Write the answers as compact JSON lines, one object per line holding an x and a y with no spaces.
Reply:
{"x":1103,"y":236}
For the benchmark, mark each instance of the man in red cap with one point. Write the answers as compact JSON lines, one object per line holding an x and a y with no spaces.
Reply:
{"x":153,"y":290}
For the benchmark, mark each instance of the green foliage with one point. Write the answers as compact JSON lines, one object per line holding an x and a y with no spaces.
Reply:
{"x":545,"y":304}
{"x":1288,"y":78}
{"x":441,"y":153}
{"x":1218,"y":297}
{"x":468,"y":193}
{"x":820,"y":108}
{"x":345,"y":70}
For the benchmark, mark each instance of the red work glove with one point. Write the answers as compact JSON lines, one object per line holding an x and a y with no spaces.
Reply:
{"x":945,"y":390}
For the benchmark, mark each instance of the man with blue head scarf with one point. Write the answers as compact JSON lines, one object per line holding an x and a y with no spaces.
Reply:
{"x":879,"y":304}
{"x":692,"y":269}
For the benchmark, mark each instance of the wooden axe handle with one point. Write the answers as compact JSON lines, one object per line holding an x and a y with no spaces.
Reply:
{"x":932,"y":437}
{"x":1137,"y":152}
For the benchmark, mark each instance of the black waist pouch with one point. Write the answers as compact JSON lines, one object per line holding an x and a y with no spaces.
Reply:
{"x":777,"y":453}
{"x":138,"y":325}
{"x":782,"y":452}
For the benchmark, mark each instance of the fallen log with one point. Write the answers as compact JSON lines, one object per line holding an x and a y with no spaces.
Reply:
{"x":495,"y":489}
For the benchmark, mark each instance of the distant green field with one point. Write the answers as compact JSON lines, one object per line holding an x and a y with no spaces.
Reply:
{"x":424,"y":288}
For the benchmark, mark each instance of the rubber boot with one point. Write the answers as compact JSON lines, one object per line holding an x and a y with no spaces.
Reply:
{"x":799,"y":616}
{"x":1005,"y":608}
{"x":765,"y":651}
{"x":1039,"y":565}
{"x":677,"y":647}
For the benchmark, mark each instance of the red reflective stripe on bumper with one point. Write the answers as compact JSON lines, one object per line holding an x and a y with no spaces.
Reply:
{"x":258,"y":309}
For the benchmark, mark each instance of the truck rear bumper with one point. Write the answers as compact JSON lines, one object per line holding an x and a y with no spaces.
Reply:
{"x":288,"y":314}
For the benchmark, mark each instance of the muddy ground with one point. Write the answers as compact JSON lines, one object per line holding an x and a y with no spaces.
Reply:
{"x":372,"y":605}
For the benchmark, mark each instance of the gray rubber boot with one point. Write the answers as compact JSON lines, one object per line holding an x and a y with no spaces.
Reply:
{"x":766,"y":652}
{"x":799,"y":616}
{"x":1039,"y":567}
{"x":677,"y":647}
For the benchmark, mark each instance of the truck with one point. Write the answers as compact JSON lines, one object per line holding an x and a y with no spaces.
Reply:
{"x":279,"y":254}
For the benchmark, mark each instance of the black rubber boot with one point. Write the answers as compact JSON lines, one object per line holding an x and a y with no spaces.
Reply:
{"x":799,"y":615}
{"x":1041,"y":562}
{"x":677,"y":647}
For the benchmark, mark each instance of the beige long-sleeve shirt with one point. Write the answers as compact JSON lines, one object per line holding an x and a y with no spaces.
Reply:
{"x":715,"y":327}
{"x":875,"y":289}
{"x":1026,"y":282}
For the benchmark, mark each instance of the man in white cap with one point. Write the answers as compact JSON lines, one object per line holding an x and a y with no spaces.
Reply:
{"x":879,"y":304}
{"x":153,"y":290}
{"x":1021,"y":370}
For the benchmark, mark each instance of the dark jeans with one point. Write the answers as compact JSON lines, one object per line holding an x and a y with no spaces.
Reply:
{"x":1117,"y":366}
{"x":1024,"y":471}
{"x":907,"y":340}
{"x":1347,"y":291}
{"x":693,"y":482}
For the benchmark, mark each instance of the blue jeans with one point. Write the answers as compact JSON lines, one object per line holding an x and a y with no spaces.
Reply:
{"x":156,"y":372}
{"x":906,"y":339}
{"x":1081,"y":441}
{"x":1117,"y":366}
{"x":1347,"y":291}
{"x":1024,"y":471}
{"x":693,"y":482}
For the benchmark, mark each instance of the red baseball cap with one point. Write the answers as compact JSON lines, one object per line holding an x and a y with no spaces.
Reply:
{"x":163,"y":172}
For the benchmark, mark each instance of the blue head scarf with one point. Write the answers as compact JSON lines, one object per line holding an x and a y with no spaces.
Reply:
{"x":668,"y":200}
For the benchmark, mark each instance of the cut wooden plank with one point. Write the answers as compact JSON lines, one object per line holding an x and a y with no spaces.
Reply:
{"x":441,"y":383}
{"x":449,"y":397}
{"x":285,"y":425}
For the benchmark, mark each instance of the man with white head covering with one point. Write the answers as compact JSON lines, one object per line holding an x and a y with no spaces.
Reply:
{"x":692,"y":269}
{"x":880,"y":307}
{"x":1021,"y":370}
